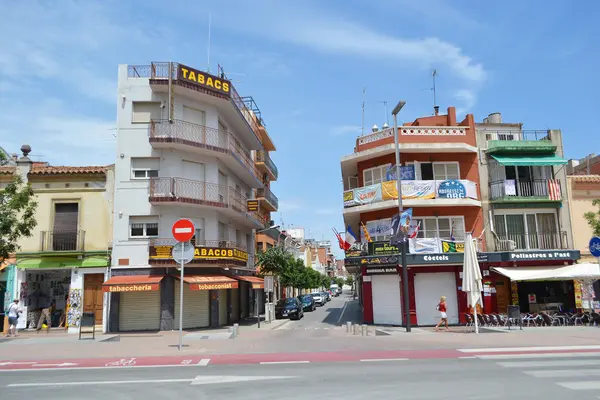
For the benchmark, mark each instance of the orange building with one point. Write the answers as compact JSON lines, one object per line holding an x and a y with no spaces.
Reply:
{"x":440,"y":176}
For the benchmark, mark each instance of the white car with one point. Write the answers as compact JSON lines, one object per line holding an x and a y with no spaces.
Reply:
{"x":318,"y":297}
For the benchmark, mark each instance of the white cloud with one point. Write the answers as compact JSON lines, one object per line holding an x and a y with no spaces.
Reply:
{"x":466,"y":99}
{"x":289,"y":205}
{"x":345,"y":130}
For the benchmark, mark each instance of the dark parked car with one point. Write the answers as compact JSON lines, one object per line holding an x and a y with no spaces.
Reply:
{"x":289,"y":308}
{"x":327,"y":296}
{"x":308,"y":303}
{"x":318,"y":298}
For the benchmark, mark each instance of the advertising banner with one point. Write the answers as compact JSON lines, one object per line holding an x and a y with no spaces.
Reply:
{"x":578,"y":294}
{"x":349,"y":198}
{"x":382,"y":249}
{"x":367,"y":194}
{"x":424,"y":245}
{"x":407,"y":173}
{"x":378,"y":227}
{"x":410,"y":190}
{"x":456,"y":189}
{"x":449,"y":246}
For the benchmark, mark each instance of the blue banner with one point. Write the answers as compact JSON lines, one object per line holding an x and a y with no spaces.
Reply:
{"x":451,"y":189}
{"x":407,"y":173}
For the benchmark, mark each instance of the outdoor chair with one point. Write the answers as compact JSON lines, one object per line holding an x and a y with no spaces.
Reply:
{"x":481,"y":320}
{"x":501,"y":320}
{"x":581,"y":318}
{"x":595,"y":319}
{"x":549,"y":320}
{"x":470,"y":322}
{"x":528,"y":319}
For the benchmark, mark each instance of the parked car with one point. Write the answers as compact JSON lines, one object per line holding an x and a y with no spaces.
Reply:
{"x":327,"y":296}
{"x":290,"y":308}
{"x":318,"y":298}
{"x":308,"y":303}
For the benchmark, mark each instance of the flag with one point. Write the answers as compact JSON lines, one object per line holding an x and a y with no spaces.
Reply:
{"x":366,"y":232}
{"x":342,"y":243}
{"x":401,"y":226}
{"x":415,"y":232}
{"x":452,"y":230}
{"x":554,"y":189}
{"x":350,"y":236}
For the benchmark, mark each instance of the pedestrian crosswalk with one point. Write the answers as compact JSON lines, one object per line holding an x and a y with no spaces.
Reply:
{"x":579,"y":372}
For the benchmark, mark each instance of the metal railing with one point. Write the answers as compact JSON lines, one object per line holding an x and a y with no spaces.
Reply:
{"x":532,"y":188}
{"x":532,"y":241}
{"x":267,"y":194}
{"x":195,"y":135}
{"x":531,"y":135}
{"x":196,"y":192}
{"x":62,"y":240}
{"x":263,"y":156}
{"x":259,"y":217}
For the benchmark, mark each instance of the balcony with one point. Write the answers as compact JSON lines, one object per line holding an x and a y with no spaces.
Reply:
{"x":186,"y":136}
{"x":265,"y":164}
{"x":531,"y":241}
{"x":414,"y":193}
{"x":519,"y":141}
{"x":536,"y":190}
{"x":187,"y":192}
{"x":267,"y":198}
{"x":62,"y":240}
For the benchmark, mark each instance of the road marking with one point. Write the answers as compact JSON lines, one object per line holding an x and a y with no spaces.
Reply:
{"x":18,"y":363}
{"x":206,"y":380}
{"x":383,"y":359}
{"x":585,"y":385}
{"x":511,"y":349}
{"x":97,"y":382}
{"x":536,"y":355}
{"x":342,"y":314}
{"x":538,"y":364}
{"x":467,"y":358}
{"x":200,"y":363}
{"x":284,"y":362}
{"x":204,"y":361}
{"x":66,"y":364}
{"x":565,"y":373}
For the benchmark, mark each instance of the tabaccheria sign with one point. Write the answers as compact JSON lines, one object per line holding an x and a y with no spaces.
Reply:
{"x":146,"y":287}
{"x":208,"y":81}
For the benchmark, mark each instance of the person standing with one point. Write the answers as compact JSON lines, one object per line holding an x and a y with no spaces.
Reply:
{"x":441,"y":307}
{"x":13,"y":317}
{"x":45,"y":304}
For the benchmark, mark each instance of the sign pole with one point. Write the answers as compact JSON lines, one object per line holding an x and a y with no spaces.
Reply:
{"x":181,"y":301}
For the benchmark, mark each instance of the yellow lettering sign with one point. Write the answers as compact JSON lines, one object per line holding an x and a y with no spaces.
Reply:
{"x":208,"y":81}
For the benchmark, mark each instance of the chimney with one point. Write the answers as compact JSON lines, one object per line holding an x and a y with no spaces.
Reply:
{"x":24,"y":163}
{"x":436,"y":110}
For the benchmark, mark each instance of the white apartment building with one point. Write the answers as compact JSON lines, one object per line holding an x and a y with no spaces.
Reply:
{"x":186,"y":145}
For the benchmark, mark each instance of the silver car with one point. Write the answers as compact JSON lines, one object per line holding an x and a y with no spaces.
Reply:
{"x":319,"y":299}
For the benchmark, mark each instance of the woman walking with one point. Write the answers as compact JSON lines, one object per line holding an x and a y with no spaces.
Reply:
{"x":13,"y":316}
{"x":441,"y":307}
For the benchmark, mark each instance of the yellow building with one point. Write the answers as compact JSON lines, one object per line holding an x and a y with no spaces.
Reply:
{"x":582,"y":190}
{"x":65,"y":261}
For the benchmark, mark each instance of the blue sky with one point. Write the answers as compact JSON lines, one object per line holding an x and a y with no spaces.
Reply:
{"x":305,"y":63}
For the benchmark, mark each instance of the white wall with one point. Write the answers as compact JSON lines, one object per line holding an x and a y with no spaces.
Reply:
{"x":77,"y":280}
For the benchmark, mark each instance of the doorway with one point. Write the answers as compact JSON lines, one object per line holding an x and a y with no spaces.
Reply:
{"x":93,"y":297}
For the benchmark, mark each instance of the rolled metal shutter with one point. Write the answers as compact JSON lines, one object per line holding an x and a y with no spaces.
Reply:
{"x":235,"y":304}
{"x":195,"y":307}
{"x":223,"y":307}
{"x":139,"y":311}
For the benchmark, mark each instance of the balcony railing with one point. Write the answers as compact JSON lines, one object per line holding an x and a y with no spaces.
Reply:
{"x":62,"y":240}
{"x":263,"y":156}
{"x":261,"y":218}
{"x":530,"y":135}
{"x":196,"y":192}
{"x":547,"y":188}
{"x":266,"y":193}
{"x":195,"y":135}
{"x":532,"y":241}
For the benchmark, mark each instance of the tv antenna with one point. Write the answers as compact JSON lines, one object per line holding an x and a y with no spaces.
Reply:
{"x":208,"y":54}
{"x":362,"y":125}
{"x":433,"y":75}
{"x":387,"y":118}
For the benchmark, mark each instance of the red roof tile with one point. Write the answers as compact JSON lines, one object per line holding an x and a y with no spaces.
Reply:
{"x":585,"y":178}
{"x":37,"y":169}
{"x":7,"y":170}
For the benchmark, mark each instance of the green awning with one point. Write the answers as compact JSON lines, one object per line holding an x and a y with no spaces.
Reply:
{"x":62,"y":262}
{"x":530,"y":160}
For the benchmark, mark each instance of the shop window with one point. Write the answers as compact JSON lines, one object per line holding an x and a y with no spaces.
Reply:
{"x":143,"y":227}
{"x":144,"y":168}
{"x":372,"y":176}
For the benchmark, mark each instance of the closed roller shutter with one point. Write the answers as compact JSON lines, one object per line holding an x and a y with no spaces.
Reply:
{"x":139,"y":311}
{"x":223,"y":307}
{"x":235,"y":304}
{"x":387,"y":309}
{"x":195,"y":307}
{"x":429,"y":287}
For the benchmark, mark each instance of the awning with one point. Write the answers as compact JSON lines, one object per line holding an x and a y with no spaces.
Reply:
{"x":209,"y":282}
{"x":554,"y":273}
{"x":63,"y":262}
{"x":531,"y":160}
{"x":257,"y":283}
{"x":133,"y":283}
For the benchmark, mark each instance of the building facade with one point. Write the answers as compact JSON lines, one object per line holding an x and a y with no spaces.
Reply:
{"x":440,"y":182}
{"x":188,"y":146}
{"x":527,"y":215}
{"x":66,"y":259}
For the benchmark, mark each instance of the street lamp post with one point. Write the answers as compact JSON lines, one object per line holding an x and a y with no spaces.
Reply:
{"x":404,"y":244}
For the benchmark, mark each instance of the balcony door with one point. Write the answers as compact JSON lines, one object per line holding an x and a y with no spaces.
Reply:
{"x":193,"y":187}
{"x":223,"y":135}
{"x":64,"y":234}
{"x":535,"y":231}
{"x":223,"y":188}
{"x":529,"y":180}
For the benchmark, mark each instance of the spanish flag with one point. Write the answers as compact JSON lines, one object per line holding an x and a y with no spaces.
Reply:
{"x":366,"y":232}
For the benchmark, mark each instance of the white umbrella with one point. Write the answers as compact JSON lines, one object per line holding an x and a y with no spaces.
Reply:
{"x":471,"y":280}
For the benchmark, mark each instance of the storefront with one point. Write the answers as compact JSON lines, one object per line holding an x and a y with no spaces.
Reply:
{"x":69,"y":285}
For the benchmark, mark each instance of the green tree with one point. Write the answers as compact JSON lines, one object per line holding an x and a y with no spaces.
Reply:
{"x":593,"y":218}
{"x":273,"y":261}
{"x":349,"y":280}
{"x":17,"y":214}
{"x":340,"y":281}
{"x":325,"y":281}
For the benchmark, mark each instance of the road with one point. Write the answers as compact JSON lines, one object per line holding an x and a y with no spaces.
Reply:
{"x":513,"y":376}
{"x":329,"y":316}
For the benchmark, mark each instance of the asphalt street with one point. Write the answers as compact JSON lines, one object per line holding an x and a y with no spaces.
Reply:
{"x":329,"y":316}
{"x":516,"y":377}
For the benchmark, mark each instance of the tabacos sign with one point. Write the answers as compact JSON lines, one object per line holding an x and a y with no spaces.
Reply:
{"x":207,"y":81}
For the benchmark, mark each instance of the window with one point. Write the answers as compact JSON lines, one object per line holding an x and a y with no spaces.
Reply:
{"x":145,"y":111}
{"x":372,"y":176}
{"x":445,"y":170}
{"x":441,"y":227}
{"x":144,"y":168}
{"x":198,"y":239}
{"x":529,"y":231}
{"x":238,"y":237}
{"x":143,"y":227}
{"x":222,"y":231}
{"x":379,"y":230}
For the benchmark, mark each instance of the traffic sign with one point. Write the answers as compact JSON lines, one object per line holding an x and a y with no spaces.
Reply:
{"x":183,"y":230}
{"x":184,"y":256}
{"x":595,"y":246}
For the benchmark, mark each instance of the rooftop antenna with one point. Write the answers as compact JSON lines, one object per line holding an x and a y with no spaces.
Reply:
{"x":387,"y":118}
{"x":362,"y":125}
{"x":209,"y":23}
{"x":433,"y":75}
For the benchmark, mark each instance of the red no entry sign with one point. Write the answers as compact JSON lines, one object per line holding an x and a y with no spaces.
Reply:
{"x":183,"y":230}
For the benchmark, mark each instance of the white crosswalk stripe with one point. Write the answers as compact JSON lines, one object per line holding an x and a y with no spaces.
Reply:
{"x":574,"y":371}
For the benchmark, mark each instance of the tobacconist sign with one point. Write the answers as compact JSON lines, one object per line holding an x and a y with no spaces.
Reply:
{"x":207,"y":81}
